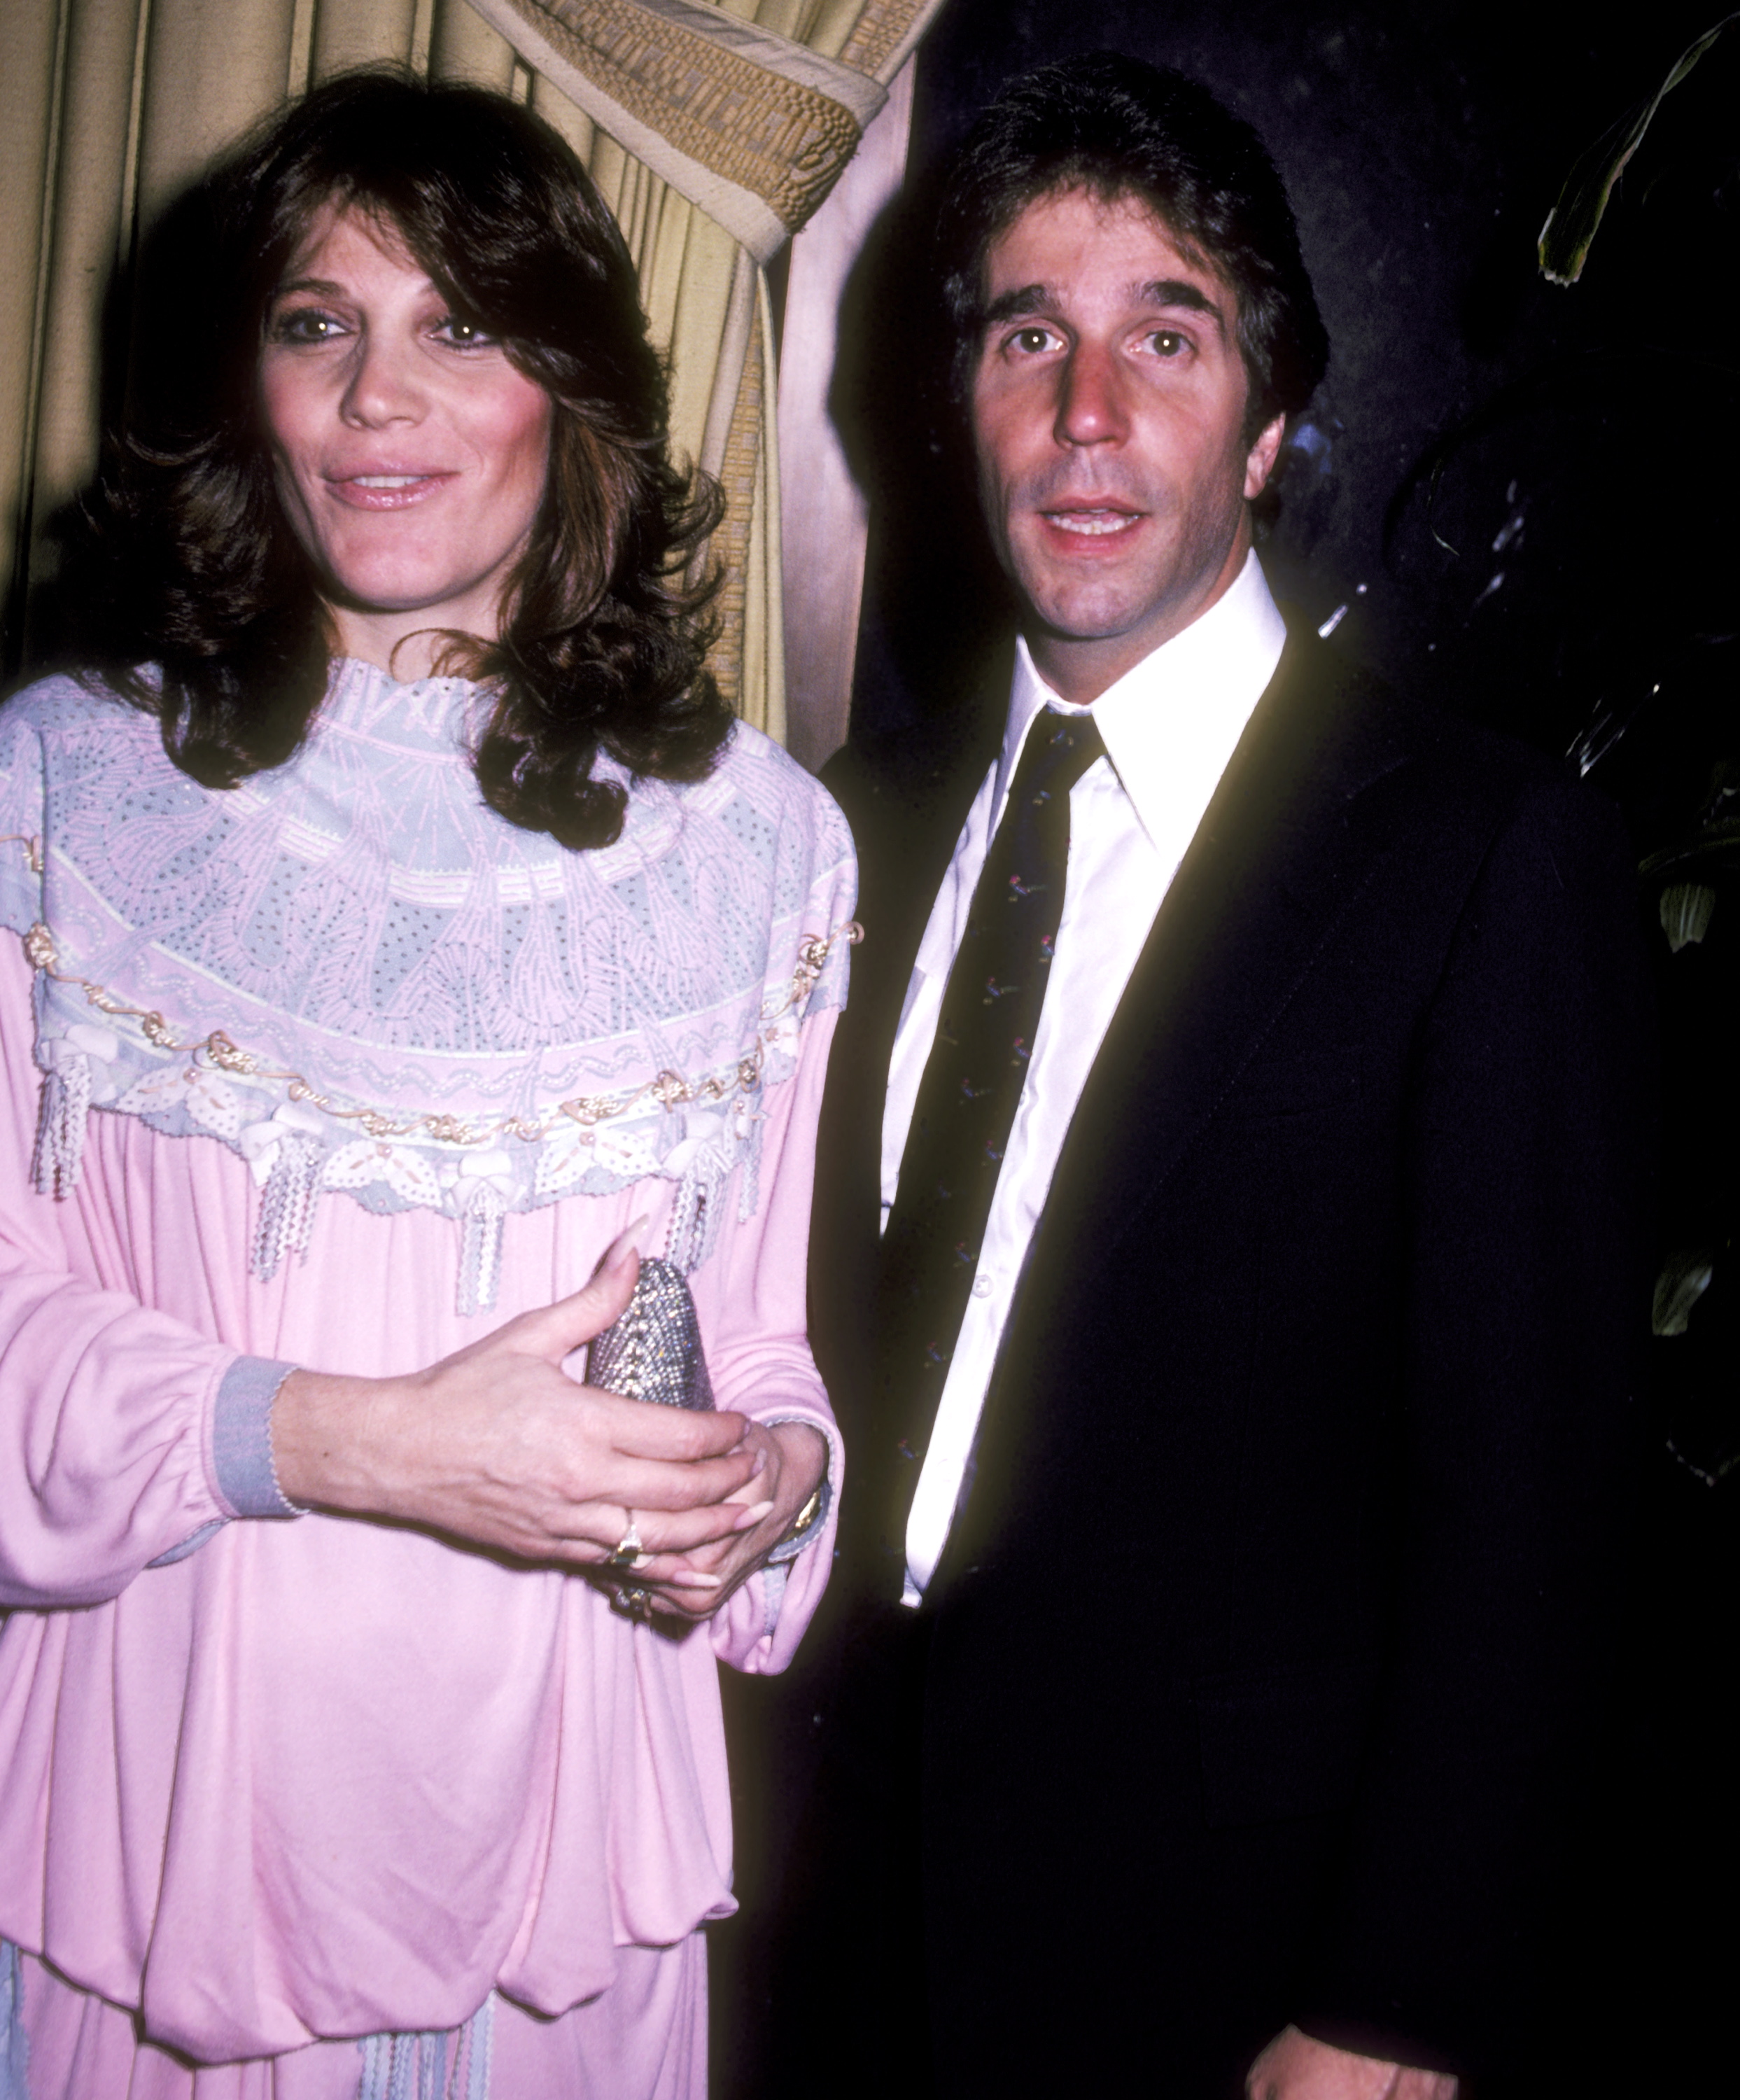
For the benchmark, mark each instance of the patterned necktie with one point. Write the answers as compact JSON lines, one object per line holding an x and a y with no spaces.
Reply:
{"x":967,"y":1098}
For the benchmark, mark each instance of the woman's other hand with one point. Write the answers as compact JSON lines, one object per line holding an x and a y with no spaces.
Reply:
{"x":794,"y":1456}
{"x":497,"y":1445}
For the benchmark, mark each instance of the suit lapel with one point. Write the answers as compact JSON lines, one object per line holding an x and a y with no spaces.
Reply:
{"x":906,"y":814}
{"x":1279,"y":855}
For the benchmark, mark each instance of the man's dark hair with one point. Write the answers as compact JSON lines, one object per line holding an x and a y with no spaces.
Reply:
{"x":1115,"y":127}
{"x":603,"y":641}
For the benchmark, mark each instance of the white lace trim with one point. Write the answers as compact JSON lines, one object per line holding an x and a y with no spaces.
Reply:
{"x":300,"y":1142}
{"x":360,"y":979}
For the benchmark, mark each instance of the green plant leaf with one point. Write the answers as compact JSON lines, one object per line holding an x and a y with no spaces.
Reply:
{"x":1686,"y":910}
{"x":1571,"y":223}
{"x":1719,"y":843}
{"x":1684,"y":1279}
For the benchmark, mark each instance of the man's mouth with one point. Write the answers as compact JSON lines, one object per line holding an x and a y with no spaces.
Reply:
{"x":1092,"y":524}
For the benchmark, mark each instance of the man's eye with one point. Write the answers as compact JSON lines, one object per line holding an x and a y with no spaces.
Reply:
{"x":1031,"y":341}
{"x":1166,"y":342}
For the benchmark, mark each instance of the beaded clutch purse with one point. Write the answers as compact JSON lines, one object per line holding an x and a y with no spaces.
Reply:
{"x":653,"y":1351}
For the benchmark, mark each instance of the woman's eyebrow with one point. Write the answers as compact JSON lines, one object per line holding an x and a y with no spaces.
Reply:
{"x":323,"y":285}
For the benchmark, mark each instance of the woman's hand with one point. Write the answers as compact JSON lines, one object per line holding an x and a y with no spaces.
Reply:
{"x":794,"y":1458}
{"x":497,"y":1445}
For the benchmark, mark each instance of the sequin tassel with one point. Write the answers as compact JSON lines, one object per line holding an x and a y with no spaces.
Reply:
{"x":60,"y":1123}
{"x":287,"y":1205}
{"x":749,"y":1187}
{"x":417,"y":2067}
{"x":695,"y":1217}
{"x":480,"y":1251}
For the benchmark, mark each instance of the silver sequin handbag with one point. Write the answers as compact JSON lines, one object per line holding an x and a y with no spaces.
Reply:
{"x":653,"y":1351}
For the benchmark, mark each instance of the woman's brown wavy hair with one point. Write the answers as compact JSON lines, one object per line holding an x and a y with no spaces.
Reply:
{"x":603,"y":638}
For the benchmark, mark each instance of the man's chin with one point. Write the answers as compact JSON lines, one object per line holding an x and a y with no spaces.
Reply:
{"x":1095,"y":617}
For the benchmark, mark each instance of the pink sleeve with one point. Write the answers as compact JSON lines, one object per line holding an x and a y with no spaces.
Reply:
{"x":107,"y":1409}
{"x":759,"y":1358}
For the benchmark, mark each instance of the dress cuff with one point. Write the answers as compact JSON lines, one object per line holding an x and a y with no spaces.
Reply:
{"x":242,"y":1438}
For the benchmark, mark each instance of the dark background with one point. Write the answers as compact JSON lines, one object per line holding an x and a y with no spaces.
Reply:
{"x":1520,"y":494}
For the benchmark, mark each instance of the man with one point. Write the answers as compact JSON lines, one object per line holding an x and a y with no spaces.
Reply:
{"x":1240,"y":1375}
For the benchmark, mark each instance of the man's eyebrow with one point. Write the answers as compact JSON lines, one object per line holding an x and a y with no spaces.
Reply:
{"x":1157,"y":292}
{"x":1024,"y":299}
{"x":1180,"y":291}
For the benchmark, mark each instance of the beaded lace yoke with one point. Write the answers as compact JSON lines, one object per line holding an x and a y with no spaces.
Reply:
{"x":361,"y":979}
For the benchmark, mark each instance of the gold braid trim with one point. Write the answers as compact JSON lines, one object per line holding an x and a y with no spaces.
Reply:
{"x":667,"y":1089}
{"x":880,"y":31}
{"x":780,"y":139}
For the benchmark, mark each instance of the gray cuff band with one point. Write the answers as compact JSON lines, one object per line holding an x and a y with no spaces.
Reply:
{"x":241,"y":1438}
{"x":789,"y":1549}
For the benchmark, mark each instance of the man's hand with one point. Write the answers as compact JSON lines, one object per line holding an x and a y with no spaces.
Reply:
{"x":497,"y":1445}
{"x":1295,"y":2068}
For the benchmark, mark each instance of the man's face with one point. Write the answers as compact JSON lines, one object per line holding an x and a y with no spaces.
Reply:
{"x":1108,"y":404}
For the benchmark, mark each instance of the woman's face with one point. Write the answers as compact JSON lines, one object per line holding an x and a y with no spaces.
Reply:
{"x":411,"y":454}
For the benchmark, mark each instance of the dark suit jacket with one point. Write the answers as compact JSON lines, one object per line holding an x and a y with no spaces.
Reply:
{"x":1255,"y":1678}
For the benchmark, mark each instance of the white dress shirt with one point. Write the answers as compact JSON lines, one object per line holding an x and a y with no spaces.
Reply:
{"x":1169,"y":726}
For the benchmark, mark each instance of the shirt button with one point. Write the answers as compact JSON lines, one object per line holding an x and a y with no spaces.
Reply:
{"x":981,"y":1287}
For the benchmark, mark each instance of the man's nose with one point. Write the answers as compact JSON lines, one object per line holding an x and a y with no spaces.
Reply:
{"x":384,"y":385}
{"x":1090,"y":408}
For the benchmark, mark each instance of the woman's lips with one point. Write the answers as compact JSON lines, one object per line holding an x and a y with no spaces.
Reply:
{"x":384,"y":490}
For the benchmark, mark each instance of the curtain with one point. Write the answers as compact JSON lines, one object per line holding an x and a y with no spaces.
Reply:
{"x":712,"y":127}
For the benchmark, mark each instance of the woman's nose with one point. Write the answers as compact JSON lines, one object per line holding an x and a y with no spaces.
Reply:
{"x":385,"y":385}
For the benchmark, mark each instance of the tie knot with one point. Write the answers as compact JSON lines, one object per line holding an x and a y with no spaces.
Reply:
{"x":1059,"y":749}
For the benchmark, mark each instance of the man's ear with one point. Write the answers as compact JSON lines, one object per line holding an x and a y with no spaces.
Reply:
{"x":1260,"y":462}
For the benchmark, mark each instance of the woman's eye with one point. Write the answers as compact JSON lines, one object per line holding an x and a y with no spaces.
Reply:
{"x":306,"y":325}
{"x":464,"y":334}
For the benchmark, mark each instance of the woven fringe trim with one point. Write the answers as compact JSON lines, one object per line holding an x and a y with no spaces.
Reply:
{"x":15,"y":2048}
{"x":453,"y":2064}
{"x":450,"y":2064}
{"x":287,"y":1206}
{"x":60,"y":1125}
{"x":480,"y":1251}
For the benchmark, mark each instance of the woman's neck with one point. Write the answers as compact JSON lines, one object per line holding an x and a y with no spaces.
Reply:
{"x":398,"y":643}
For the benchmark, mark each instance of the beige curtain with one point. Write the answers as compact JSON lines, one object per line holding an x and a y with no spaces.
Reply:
{"x":712,"y":127}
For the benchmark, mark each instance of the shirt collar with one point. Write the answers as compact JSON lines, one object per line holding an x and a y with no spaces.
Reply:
{"x":1170,"y":723}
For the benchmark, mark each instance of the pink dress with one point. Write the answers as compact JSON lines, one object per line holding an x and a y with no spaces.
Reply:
{"x":338,"y":1068}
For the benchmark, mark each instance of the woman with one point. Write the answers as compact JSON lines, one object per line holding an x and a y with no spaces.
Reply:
{"x":408,"y":938}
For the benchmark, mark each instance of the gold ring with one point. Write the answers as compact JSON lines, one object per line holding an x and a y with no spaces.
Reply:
{"x":628,"y":1552}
